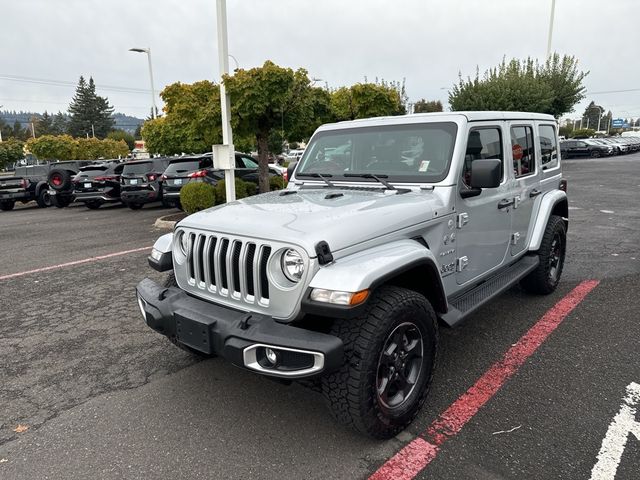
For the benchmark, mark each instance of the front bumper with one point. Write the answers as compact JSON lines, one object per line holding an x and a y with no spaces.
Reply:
{"x":240,"y":337}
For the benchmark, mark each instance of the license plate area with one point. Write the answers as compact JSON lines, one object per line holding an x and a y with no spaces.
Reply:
{"x":87,"y":185}
{"x":177,"y":181}
{"x":194,"y":333}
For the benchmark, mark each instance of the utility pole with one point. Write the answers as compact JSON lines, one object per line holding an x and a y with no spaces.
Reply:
{"x":33,"y":130}
{"x":225,"y":104}
{"x":93,"y":132}
{"x":553,"y":10}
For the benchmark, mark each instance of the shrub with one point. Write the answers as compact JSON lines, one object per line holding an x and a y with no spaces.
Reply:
{"x":243,"y":189}
{"x":196,"y":196}
{"x":276,"y":183}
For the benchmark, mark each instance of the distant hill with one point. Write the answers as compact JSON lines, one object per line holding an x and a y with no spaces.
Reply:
{"x":123,"y":122}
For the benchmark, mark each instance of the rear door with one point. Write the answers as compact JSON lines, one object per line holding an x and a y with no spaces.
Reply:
{"x":524,"y":160}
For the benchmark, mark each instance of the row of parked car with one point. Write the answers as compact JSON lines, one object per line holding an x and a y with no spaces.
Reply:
{"x":599,"y":147}
{"x":134,"y":183}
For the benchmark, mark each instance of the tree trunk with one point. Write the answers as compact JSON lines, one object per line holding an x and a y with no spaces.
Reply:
{"x":263,"y":161}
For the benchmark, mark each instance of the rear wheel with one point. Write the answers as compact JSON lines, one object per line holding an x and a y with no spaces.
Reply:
{"x":545,"y":278}
{"x":7,"y":205}
{"x":60,"y":201}
{"x":93,"y":204}
{"x":390,"y":354}
{"x":44,"y":199}
{"x":134,"y":206}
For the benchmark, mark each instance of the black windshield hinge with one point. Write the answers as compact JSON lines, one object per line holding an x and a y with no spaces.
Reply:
{"x":324,"y":253}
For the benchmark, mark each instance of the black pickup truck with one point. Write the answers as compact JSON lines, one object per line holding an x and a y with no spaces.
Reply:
{"x":28,"y":183}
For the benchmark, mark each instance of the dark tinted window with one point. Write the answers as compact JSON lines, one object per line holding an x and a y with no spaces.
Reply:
{"x":182,"y":167}
{"x":137,"y":168}
{"x":482,"y":143}
{"x":246,"y":162}
{"x":548,"y":146}
{"x":524,"y":162}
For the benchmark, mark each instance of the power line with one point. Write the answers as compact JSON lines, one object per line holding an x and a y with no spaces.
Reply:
{"x":64,"y":83}
{"x":614,"y":91}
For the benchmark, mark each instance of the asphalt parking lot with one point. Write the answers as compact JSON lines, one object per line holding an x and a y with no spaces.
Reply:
{"x":105,"y":397}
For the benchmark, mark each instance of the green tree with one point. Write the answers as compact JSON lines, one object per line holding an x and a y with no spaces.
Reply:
{"x":364,"y":100}
{"x":18,"y":132}
{"x":44,"y":125}
{"x":59,"y":124}
{"x":583,"y":133}
{"x":93,"y":148}
{"x":426,"y":106}
{"x":191,"y":123}
{"x":272,"y":98}
{"x":50,"y":147}
{"x":553,"y":87}
{"x":89,"y":113}
{"x":592,"y":117}
{"x":11,"y":151}
{"x":122,"y":135}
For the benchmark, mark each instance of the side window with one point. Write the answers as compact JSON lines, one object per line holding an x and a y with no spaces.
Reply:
{"x":524,"y":162}
{"x":482,"y":143}
{"x":548,"y":146}
{"x":249,"y":162}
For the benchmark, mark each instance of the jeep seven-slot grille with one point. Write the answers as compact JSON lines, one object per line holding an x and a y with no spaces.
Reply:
{"x":229,"y":267}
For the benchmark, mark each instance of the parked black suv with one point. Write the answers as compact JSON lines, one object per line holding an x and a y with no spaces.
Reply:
{"x":28,"y":183}
{"x":200,"y":169}
{"x":580,"y":148}
{"x":141,"y":181}
{"x":98,"y":183}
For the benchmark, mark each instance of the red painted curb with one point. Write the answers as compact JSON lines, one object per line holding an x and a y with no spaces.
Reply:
{"x":416,"y":455}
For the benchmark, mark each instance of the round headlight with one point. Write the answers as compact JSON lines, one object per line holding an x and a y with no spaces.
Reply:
{"x":292,"y":265}
{"x":184,"y":243}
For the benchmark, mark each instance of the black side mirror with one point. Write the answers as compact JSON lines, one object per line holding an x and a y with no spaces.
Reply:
{"x":486,"y":173}
{"x":290,"y":169}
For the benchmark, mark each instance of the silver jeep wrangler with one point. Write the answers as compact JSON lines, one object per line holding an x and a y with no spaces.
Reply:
{"x":388,"y":228}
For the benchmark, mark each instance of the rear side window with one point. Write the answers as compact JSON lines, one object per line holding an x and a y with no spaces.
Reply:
{"x":524,"y":162}
{"x":137,"y":168}
{"x":548,"y":147}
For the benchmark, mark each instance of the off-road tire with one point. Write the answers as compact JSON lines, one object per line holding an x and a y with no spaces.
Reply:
{"x":171,"y":282}
{"x":542,"y":281}
{"x":43,"y":199}
{"x":59,"y":179}
{"x":93,"y":204}
{"x":351,"y":392}
{"x":6,"y":205}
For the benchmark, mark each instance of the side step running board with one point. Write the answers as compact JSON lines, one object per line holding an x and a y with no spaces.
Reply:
{"x":462,"y":305}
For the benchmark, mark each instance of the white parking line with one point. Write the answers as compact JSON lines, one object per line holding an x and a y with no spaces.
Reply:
{"x":623,"y":424}
{"x":70,"y":264}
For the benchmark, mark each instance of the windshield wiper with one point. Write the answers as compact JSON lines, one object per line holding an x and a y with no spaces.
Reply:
{"x":322,"y":177}
{"x":379,"y":178}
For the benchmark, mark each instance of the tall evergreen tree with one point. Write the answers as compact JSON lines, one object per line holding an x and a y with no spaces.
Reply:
{"x":44,"y":126}
{"x":90,"y":113}
{"x":59,"y":125}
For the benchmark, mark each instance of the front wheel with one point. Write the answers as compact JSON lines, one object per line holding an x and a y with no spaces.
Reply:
{"x":545,"y":278}
{"x":390,"y":353}
{"x":60,"y":201}
{"x":44,"y":198}
{"x":134,"y":206}
{"x":595,"y":154}
{"x":93,"y":204}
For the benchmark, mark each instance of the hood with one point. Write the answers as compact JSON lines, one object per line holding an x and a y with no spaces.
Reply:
{"x":341,"y":217}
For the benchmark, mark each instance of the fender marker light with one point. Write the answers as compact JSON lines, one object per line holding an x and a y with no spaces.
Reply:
{"x":339,"y":298}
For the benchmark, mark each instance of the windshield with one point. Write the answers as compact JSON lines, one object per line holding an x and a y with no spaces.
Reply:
{"x":404,"y":153}
{"x":137,"y":168}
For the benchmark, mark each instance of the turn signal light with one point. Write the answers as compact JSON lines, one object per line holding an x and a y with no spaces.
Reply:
{"x":336,"y":297}
{"x":563,"y":185}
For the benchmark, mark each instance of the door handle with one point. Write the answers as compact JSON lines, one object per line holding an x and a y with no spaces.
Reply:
{"x":534,"y":193}
{"x":504,"y":203}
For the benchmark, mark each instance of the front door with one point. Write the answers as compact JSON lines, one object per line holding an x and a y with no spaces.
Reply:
{"x":483,"y":225}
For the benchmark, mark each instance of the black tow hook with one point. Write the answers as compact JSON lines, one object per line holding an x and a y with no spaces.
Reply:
{"x":244,"y":323}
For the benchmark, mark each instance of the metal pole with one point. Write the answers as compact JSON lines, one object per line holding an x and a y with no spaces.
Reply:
{"x":153,"y":92}
{"x":599,"y":116}
{"x":93,"y":132}
{"x":225,"y":102}
{"x":553,"y":10}
{"x":33,"y":130}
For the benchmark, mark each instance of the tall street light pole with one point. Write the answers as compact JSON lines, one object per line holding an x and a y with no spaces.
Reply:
{"x":553,"y":10}
{"x":225,"y":103}
{"x":153,"y":92}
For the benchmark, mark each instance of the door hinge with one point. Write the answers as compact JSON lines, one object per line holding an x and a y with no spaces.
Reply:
{"x":461,"y":263}
{"x":514,"y":238}
{"x":462,"y":220}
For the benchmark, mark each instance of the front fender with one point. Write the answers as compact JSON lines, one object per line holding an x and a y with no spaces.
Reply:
{"x":161,"y":258}
{"x":554,"y":202}
{"x":407,"y":260}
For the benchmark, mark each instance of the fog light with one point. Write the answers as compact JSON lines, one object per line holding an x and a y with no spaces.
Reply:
{"x":271,"y":355}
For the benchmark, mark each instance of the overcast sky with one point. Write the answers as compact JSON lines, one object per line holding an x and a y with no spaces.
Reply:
{"x":339,"y":41}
